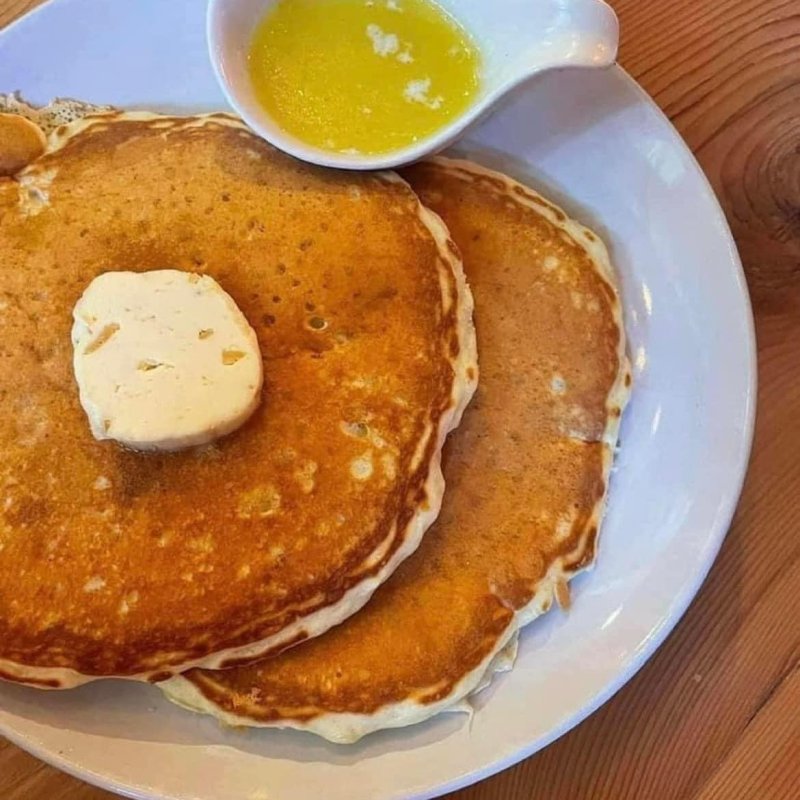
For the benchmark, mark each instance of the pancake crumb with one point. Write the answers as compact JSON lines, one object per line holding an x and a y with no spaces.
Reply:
{"x":562,"y":594}
{"x":34,"y":192}
{"x":230,"y":356}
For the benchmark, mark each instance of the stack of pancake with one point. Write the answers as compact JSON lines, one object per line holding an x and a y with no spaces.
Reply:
{"x":217,"y":571}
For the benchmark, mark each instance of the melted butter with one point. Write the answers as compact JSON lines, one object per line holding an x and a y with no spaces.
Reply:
{"x":367,"y":76}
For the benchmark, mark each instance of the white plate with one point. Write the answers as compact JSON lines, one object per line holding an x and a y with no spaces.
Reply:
{"x":597,"y":143}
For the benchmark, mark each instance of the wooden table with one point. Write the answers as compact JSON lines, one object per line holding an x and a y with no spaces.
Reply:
{"x":716,"y":713}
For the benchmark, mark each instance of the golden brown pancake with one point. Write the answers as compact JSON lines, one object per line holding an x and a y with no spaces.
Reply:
{"x":21,"y":142}
{"x":117,"y":563}
{"x":526,"y":473}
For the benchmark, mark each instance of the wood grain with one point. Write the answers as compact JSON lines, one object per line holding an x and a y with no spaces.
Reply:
{"x":715,"y":715}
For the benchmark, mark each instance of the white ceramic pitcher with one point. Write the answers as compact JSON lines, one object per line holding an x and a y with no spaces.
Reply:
{"x":517,"y":40}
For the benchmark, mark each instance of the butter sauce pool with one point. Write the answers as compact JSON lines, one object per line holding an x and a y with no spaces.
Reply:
{"x":362,"y":76}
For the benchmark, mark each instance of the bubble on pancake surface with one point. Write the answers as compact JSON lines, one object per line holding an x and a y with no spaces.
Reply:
{"x":259,"y":503}
{"x":361,"y":468}
{"x":305,"y":475}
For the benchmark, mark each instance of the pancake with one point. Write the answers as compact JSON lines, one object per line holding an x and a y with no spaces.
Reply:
{"x":117,"y":563}
{"x":61,"y":111}
{"x":21,"y":142}
{"x":527,"y":474}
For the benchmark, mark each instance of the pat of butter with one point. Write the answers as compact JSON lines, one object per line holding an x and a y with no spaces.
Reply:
{"x":163,"y":359}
